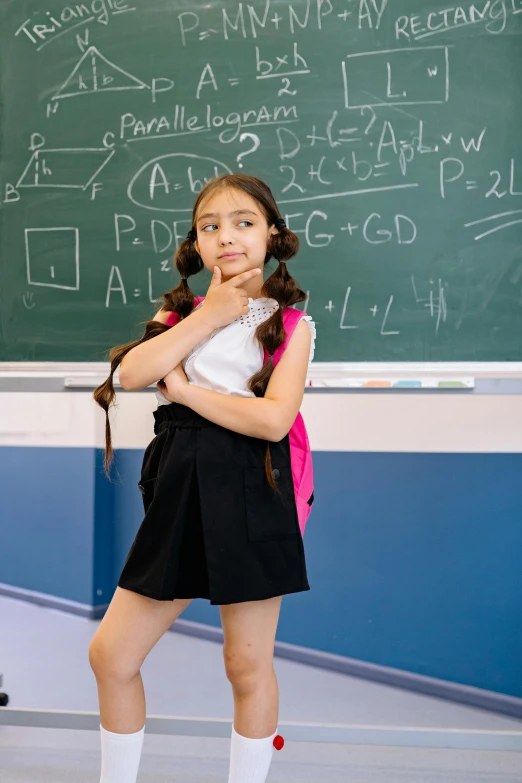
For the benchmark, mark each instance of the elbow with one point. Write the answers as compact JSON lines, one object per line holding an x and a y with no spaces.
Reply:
{"x":127,"y":386}
{"x":277,"y":422}
{"x":124,"y":380}
{"x":277,"y":431}
{"x":123,"y":385}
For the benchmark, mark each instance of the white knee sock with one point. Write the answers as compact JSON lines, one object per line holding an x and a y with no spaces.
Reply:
{"x":250,"y":759}
{"x":121,"y":755}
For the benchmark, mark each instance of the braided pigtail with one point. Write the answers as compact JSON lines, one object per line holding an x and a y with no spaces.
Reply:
{"x":282,"y":287}
{"x":180,"y":300}
{"x":188,"y":262}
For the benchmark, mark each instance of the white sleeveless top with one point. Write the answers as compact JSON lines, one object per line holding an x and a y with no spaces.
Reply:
{"x":226,"y":359}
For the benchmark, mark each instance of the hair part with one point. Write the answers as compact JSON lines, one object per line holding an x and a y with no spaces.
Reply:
{"x":280,"y":286}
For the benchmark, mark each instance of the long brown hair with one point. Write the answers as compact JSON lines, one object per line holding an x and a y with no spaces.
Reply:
{"x":280,"y":286}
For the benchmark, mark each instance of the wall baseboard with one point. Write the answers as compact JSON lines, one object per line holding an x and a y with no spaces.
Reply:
{"x":54,"y":602}
{"x":429,"y":686}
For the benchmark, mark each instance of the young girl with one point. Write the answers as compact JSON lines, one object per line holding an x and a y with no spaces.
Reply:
{"x":221,"y":519}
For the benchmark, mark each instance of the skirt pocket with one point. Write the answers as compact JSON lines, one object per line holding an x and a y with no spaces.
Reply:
{"x":147,"y":489}
{"x":270,"y":516}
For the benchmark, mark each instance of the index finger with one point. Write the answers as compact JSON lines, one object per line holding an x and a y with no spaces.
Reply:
{"x":238,"y":279}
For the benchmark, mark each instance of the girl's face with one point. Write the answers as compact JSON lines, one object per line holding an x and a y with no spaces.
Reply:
{"x":233,"y":234}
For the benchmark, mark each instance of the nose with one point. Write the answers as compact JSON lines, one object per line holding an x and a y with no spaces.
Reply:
{"x":225,"y":236}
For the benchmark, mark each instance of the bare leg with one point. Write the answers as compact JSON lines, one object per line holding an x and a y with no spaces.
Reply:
{"x":256,"y":708}
{"x":249,"y":630}
{"x":131,"y":627}
{"x":122,"y":704}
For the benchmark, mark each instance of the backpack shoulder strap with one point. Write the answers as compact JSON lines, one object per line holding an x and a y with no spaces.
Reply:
{"x":291,"y":318}
{"x":174,"y":318}
{"x":300,"y":452}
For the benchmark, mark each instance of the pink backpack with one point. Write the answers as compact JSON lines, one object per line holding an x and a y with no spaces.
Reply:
{"x":300,"y":453}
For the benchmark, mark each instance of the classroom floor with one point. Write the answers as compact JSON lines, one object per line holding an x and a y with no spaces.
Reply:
{"x":44,"y":661}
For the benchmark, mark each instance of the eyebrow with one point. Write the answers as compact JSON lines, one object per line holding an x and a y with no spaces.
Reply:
{"x":230,"y":214}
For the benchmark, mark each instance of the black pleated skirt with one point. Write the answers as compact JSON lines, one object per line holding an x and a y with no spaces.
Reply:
{"x":213,"y":526}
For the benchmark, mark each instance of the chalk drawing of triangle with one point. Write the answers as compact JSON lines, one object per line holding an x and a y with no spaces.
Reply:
{"x":95,"y":73}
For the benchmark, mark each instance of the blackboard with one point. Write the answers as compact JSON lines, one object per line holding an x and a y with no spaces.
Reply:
{"x":389,"y":132}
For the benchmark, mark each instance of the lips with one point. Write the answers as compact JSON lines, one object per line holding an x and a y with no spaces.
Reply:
{"x":231,"y":255}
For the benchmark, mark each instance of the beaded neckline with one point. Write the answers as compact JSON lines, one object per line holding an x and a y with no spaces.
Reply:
{"x":262,"y":299}
{"x":257,"y":315}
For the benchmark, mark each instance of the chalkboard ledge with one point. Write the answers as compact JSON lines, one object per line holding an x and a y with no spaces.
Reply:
{"x":368,"y":377}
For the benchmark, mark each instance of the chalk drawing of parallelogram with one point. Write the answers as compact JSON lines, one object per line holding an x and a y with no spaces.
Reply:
{"x":95,"y":73}
{"x":53,"y":257}
{"x":62,"y":168}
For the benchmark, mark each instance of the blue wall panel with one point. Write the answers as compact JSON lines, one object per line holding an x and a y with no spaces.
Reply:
{"x":413,"y":559}
{"x":414,"y":563}
{"x":47,"y":520}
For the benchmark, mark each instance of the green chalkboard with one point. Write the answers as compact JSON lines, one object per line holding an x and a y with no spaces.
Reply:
{"x":389,"y":132}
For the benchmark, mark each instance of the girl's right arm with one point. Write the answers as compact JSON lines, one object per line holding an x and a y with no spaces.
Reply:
{"x":149,"y":361}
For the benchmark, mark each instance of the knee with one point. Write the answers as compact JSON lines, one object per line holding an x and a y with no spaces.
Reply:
{"x":244,"y":670}
{"x":106,"y":664}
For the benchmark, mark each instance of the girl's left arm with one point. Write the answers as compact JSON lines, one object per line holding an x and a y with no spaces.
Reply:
{"x":269,"y":417}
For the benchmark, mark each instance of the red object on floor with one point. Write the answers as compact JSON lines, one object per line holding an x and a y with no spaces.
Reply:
{"x":278,"y":742}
